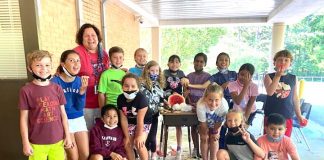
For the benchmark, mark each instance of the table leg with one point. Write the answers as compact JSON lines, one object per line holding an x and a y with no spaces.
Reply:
{"x":165,"y":143}
{"x":161,"y":136}
{"x":189,"y":140}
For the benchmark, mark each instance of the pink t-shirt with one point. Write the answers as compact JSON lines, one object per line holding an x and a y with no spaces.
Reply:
{"x":91,"y":68}
{"x":251,"y":91}
{"x":277,"y":150}
{"x":44,"y":116}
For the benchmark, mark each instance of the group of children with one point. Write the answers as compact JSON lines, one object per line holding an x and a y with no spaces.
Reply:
{"x":51,"y":114}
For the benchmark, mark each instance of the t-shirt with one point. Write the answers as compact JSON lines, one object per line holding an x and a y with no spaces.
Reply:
{"x":238,"y":147}
{"x":154,"y":96}
{"x":110,"y":84}
{"x":252,"y":91}
{"x":44,"y":112}
{"x":282,"y":100}
{"x":173,"y":81}
{"x":137,"y":71}
{"x":221,"y":78}
{"x":197,"y":78}
{"x":131,"y":107}
{"x":277,"y":150}
{"x":92,"y":68}
{"x":204,"y":114}
{"x":74,"y":101}
{"x":103,"y":140}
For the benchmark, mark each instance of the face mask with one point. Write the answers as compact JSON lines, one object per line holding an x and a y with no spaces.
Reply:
{"x":223,"y":70}
{"x":115,"y":67}
{"x":234,"y":129}
{"x":40,"y":78}
{"x":130,"y":94}
{"x":154,"y":77}
{"x":271,"y":139}
{"x":112,"y":127}
{"x":140,"y":66}
{"x":67,"y":72}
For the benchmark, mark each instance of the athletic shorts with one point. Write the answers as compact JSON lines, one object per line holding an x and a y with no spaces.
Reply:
{"x":132,"y":128}
{"x":77,"y":125}
{"x":48,"y":151}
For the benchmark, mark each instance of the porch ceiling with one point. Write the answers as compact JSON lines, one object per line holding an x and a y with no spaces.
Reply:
{"x":195,"y":12}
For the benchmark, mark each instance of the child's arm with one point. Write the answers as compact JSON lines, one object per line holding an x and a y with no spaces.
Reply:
{"x":271,"y":85}
{"x":67,"y":140}
{"x":139,"y":137}
{"x":200,"y":86}
{"x":124,"y":126}
{"x":27,"y":149}
{"x":258,"y":151}
{"x":297,"y":104}
{"x":291,"y":149}
{"x":84,"y":84}
{"x":101,"y":99}
{"x":248,"y":108}
{"x":95,"y":144}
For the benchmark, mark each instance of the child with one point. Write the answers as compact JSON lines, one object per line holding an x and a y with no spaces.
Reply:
{"x":110,"y":80}
{"x":43,"y":121}
{"x":240,"y":144}
{"x":197,"y":77}
{"x":244,"y":92}
{"x":152,"y":84}
{"x":281,"y":90}
{"x":106,"y":137}
{"x":135,"y":123}
{"x":74,"y":89}
{"x":140,"y":57}
{"x":223,"y":77}
{"x":175,"y":78}
{"x":211,"y":112}
{"x":275,"y":144}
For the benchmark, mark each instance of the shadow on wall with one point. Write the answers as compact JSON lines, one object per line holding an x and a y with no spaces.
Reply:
{"x":10,"y":139}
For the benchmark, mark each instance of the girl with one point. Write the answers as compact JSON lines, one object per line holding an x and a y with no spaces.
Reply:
{"x":222,"y":77}
{"x":211,"y":111}
{"x":244,"y":92}
{"x":240,"y":144}
{"x":106,"y":137}
{"x":152,"y":82}
{"x":175,"y":78}
{"x":133,"y":106}
{"x":74,"y":89}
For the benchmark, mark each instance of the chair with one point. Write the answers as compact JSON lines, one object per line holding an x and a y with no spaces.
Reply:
{"x":305,"y":111}
{"x":261,"y":98}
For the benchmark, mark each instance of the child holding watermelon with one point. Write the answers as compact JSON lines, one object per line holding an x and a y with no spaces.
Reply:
{"x":281,"y":90}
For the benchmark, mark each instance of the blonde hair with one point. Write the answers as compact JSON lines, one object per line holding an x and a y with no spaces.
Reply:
{"x":283,"y":53}
{"x":37,"y":55}
{"x":213,"y":88}
{"x":139,"y":50}
{"x":236,"y":111}
{"x":145,"y":78}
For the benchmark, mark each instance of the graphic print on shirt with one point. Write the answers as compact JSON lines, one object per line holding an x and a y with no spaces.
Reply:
{"x":273,"y":155}
{"x":107,"y":140}
{"x":213,"y":118}
{"x":47,"y":109}
{"x":129,"y":113}
{"x":174,"y":82}
{"x":282,"y":90}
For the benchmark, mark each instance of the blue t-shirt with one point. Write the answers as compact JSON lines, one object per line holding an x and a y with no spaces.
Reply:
{"x":282,"y":101}
{"x":221,"y":78}
{"x":74,"y":101}
{"x":137,"y":71}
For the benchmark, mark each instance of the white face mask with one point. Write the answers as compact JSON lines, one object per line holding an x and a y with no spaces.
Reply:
{"x":278,"y":139}
{"x":130,"y":94}
{"x":223,"y":70}
{"x":110,"y":127}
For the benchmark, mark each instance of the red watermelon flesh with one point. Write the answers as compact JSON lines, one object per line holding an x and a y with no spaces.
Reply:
{"x":175,"y":99}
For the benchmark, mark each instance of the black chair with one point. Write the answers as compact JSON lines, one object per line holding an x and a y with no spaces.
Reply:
{"x":305,"y":111}
{"x":261,"y":98}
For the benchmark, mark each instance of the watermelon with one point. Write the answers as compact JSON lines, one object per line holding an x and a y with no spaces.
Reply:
{"x":175,"y":98}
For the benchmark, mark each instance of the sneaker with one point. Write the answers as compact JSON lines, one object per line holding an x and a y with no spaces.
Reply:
{"x":178,"y":156}
{"x":194,"y":153}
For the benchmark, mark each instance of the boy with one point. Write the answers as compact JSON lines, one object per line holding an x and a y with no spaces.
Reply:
{"x":140,"y":57}
{"x":199,"y":76}
{"x":275,"y":144}
{"x":110,"y":81}
{"x":281,"y":90}
{"x":43,"y":121}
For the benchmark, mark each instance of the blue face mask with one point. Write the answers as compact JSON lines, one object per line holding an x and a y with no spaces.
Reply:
{"x":271,"y":139}
{"x":154,"y":77}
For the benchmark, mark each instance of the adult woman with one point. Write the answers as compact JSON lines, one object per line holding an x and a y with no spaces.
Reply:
{"x":94,"y":60}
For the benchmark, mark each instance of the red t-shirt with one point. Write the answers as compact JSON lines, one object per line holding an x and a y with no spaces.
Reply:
{"x":44,"y":116}
{"x":90,"y":67}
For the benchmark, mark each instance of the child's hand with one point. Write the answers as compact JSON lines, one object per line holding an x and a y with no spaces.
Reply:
{"x":303,"y":122}
{"x":116,"y":156}
{"x":247,"y":79}
{"x":245,"y":134}
{"x":84,"y":84}
{"x":68,"y":143}
{"x":27,"y":149}
{"x":280,"y":70}
{"x":224,"y":85}
{"x":184,"y":82}
{"x":139,"y":141}
{"x":214,"y":137}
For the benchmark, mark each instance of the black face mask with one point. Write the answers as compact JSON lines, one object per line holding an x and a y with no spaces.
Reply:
{"x":130,"y":92}
{"x":115,"y":67}
{"x":40,"y":78}
{"x":234,"y":129}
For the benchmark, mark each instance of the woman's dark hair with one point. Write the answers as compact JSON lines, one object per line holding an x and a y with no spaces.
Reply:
{"x":131,"y":75}
{"x":79,"y":35}
{"x":108,"y":107}
{"x":247,"y":66}
{"x":63,"y":58}
{"x":173,"y":57}
{"x":276,"y":119}
{"x":223,"y":54}
{"x":201,"y":55}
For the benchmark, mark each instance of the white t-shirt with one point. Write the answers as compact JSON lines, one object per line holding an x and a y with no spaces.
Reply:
{"x":204,"y":114}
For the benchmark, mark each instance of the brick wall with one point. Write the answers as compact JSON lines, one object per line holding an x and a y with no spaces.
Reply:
{"x":122,"y":31}
{"x":57,"y":27}
{"x":91,"y":12}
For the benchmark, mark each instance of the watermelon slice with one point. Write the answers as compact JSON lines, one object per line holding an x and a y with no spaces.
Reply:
{"x":175,"y":98}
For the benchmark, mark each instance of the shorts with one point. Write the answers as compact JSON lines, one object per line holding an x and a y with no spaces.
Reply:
{"x":77,"y":125}
{"x":132,"y":128}
{"x":48,"y":151}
